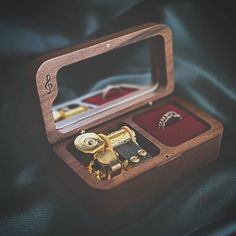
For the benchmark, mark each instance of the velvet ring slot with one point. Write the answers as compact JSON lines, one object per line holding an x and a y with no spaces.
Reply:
{"x":188,"y":127}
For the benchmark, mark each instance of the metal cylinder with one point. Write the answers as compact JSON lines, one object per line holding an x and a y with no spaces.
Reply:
{"x":121,"y":136}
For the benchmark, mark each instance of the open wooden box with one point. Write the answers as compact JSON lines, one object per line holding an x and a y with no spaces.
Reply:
{"x":176,"y":152}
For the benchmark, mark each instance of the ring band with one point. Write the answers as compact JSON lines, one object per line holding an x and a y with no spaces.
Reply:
{"x":167,"y":117}
{"x":108,"y":89}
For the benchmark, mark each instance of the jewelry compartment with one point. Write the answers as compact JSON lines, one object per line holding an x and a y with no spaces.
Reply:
{"x":179,"y":131}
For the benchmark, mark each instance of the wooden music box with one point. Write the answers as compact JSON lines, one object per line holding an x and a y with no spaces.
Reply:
{"x":117,"y":128}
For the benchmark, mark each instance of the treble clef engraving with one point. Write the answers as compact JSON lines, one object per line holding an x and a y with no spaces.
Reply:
{"x":48,"y":85}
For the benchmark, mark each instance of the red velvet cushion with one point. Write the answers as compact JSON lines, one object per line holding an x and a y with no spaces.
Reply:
{"x":176,"y":133}
{"x":111,"y":95}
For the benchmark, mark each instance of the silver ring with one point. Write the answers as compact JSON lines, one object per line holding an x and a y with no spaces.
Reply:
{"x":167,"y":117}
{"x":108,"y":89}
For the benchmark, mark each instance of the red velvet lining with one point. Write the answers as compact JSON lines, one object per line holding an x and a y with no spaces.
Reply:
{"x":111,"y":95}
{"x":176,"y":133}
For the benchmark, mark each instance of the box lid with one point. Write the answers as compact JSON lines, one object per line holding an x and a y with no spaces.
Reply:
{"x":161,"y":68}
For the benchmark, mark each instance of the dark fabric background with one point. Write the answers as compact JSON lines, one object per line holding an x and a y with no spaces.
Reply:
{"x":34,"y":200}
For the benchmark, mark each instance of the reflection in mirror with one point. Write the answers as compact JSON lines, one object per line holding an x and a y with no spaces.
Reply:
{"x":99,"y":83}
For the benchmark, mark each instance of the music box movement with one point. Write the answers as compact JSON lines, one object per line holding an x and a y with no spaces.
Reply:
{"x":107,"y":156}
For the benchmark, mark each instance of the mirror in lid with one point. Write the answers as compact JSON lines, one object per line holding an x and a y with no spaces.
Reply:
{"x":96,"y":84}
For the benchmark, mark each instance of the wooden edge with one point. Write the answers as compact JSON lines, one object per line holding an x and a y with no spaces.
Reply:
{"x":49,"y":66}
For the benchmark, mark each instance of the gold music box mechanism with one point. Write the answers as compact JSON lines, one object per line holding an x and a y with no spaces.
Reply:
{"x":106,"y":156}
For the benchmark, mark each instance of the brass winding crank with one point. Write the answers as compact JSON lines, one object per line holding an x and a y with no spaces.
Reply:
{"x":111,"y":153}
